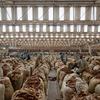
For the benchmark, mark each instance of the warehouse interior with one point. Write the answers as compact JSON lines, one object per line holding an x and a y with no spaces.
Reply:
{"x":49,"y":50}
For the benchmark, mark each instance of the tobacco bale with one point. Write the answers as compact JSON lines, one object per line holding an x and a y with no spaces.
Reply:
{"x":8,"y":88}
{"x":25,"y":94}
{"x":2,"y":91}
{"x":16,"y":78}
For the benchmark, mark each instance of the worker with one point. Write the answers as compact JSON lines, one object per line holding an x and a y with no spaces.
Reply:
{"x":81,"y":64}
{"x":63,"y":57}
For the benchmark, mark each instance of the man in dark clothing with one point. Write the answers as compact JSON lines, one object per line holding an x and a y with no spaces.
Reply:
{"x":63,"y":58}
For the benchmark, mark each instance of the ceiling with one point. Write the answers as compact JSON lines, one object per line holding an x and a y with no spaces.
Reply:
{"x":51,"y":43}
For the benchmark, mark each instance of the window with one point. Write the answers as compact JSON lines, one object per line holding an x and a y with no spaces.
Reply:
{"x":71,"y":13}
{"x":24,"y":28}
{"x":30,"y":28}
{"x":78,"y":28}
{"x":93,"y":13}
{"x":71,"y":28}
{"x":58,"y":28}
{"x":51,"y":28}
{"x":19,"y":13}
{"x":40,"y":13}
{"x":30,"y":13}
{"x":61,"y":13}
{"x":92,"y":28}
{"x":10,"y":28}
{"x":64,"y":28}
{"x":83,"y":13}
{"x":51,"y":13}
{"x":9,"y":13}
{"x":37,"y":28}
{"x":17,"y":28}
{"x":85,"y":28}
{"x":44,"y":28}
{"x":4,"y":28}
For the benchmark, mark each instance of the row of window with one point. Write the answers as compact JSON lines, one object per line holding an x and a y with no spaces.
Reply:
{"x":45,"y":28}
{"x":50,"y":13}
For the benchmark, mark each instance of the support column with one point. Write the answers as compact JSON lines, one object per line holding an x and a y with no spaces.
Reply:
{"x":66,"y":13}
{"x":45,"y":13}
{"x":25,"y":17}
{"x":14,"y":16}
{"x":61,"y":28}
{"x":75,"y":28}
{"x":89,"y":28}
{"x":68,"y":28}
{"x":77,"y":13}
{"x":35,"y":16}
{"x":88,"y":13}
{"x":55,"y":16}
{"x":41,"y":28}
{"x":46,"y":16}
{"x":98,"y":13}
{"x":4,"y":14}
{"x":96,"y":29}
{"x":35,"y":13}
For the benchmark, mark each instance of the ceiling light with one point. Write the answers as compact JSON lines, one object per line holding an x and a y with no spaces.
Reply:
{"x":87,"y":36}
{"x":51,"y":36}
{"x":61,"y":36}
{"x":36,"y":36}
{"x":41,"y":36}
{"x":21,"y":36}
{"x":97,"y":36}
{"x":67,"y":36}
{"x":7,"y":36}
{"x":26,"y":36}
{"x":11,"y":36}
{"x":82,"y":36}
{"x":46,"y":36}
{"x":16,"y":36}
{"x":56,"y":36}
{"x":92,"y":36}
{"x":72,"y":36}
{"x":31,"y":36}
{"x":2,"y":36}
{"x":77,"y":36}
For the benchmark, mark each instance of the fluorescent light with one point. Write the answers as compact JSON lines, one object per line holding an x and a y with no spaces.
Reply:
{"x":36,"y":36}
{"x":2,"y":36}
{"x":77,"y":36}
{"x":31,"y":36}
{"x":51,"y":36}
{"x":56,"y":36}
{"x":97,"y":36}
{"x":61,"y":36}
{"x":87,"y":36}
{"x":26,"y":36}
{"x":82,"y":36}
{"x":41,"y":36}
{"x":46,"y":36}
{"x":7,"y":36}
{"x":21,"y":36}
{"x":92,"y":36}
{"x":67,"y":36}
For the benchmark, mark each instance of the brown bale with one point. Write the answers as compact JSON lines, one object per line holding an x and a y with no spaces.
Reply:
{"x":16,"y":78}
{"x":6,"y":68}
{"x":24,"y":94}
{"x":2,"y":91}
{"x":8,"y":88}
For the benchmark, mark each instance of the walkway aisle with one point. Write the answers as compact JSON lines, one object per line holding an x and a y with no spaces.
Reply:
{"x":53,"y":88}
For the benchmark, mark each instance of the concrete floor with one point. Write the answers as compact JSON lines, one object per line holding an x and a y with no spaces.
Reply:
{"x":53,"y":87}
